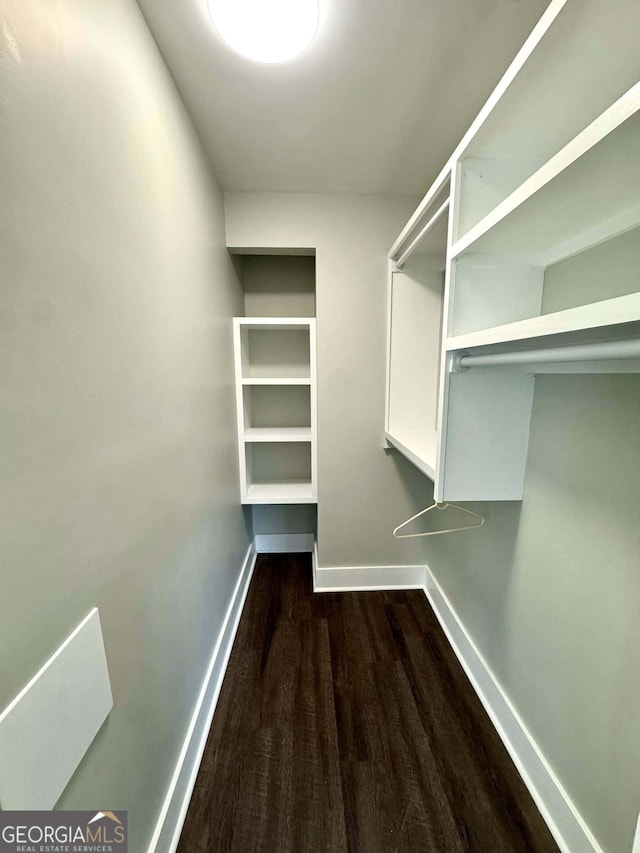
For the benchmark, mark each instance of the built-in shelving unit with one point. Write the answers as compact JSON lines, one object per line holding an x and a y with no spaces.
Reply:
{"x":536,"y":222}
{"x":276,"y":405}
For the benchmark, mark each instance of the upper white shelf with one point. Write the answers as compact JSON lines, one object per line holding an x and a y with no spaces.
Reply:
{"x":605,"y":315}
{"x":560,"y":81}
{"x":585,"y":194}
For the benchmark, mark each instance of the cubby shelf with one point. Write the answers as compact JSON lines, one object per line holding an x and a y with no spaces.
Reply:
{"x":281,"y":493}
{"x":278,"y":434}
{"x":277,"y":380}
{"x":277,"y":429}
{"x":542,"y":252}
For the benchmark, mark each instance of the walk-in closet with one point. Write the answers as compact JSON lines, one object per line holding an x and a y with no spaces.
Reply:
{"x":320,"y":409}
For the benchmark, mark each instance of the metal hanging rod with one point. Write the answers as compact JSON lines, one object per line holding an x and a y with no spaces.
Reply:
{"x":404,"y":257}
{"x":605,"y":351}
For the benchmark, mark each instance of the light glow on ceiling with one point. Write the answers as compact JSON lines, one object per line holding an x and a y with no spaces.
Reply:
{"x":266,"y":30}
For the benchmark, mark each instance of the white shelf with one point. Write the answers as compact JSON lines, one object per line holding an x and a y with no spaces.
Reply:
{"x":275,"y":493}
{"x":286,"y":372}
{"x":605,"y":315}
{"x":281,"y":323}
{"x":278,"y":434}
{"x":420,"y":446}
{"x":289,"y":380}
{"x":583,"y":195}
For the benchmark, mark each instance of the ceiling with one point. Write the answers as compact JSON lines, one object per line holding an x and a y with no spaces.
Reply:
{"x":375,"y":105}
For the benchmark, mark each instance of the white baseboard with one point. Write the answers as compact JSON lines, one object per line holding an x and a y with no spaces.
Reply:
{"x":564,"y":821}
{"x":284,"y":543}
{"x":362,"y":578}
{"x":636,"y":840}
{"x":174,"y":809}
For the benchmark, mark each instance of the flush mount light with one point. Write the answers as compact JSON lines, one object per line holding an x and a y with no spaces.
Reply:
{"x":266,"y":30}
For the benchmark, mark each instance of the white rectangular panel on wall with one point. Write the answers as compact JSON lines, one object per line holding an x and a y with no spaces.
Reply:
{"x":47,"y":729}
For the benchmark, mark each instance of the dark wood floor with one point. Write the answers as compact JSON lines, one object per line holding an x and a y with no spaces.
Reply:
{"x":345,"y":723}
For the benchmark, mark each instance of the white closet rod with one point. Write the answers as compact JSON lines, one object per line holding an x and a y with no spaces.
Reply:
{"x":404,"y":257}
{"x":604,"y":351}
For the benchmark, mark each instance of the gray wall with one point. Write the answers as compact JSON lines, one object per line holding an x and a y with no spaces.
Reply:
{"x":280,"y":518}
{"x":362,"y":495}
{"x":119,"y":469}
{"x":549,"y":588}
{"x":278,"y":285}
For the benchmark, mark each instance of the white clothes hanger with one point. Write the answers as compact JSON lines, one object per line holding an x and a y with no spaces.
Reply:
{"x":439,"y":506}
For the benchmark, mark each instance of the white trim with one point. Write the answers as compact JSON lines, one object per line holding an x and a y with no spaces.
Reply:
{"x":284,"y":543}
{"x":360,"y":578}
{"x":636,"y":840}
{"x":174,"y":809}
{"x":563,"y":819}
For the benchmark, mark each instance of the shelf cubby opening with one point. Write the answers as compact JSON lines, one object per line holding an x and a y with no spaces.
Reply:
{"x":277,"y":407}
{"x":279,"y":472}
{"x":275,"y":352}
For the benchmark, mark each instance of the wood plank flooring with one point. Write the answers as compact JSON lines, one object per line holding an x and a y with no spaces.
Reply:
{"x":346,"y":725}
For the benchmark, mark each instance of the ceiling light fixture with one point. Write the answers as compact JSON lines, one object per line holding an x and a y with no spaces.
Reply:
{"x":266,"y":30}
